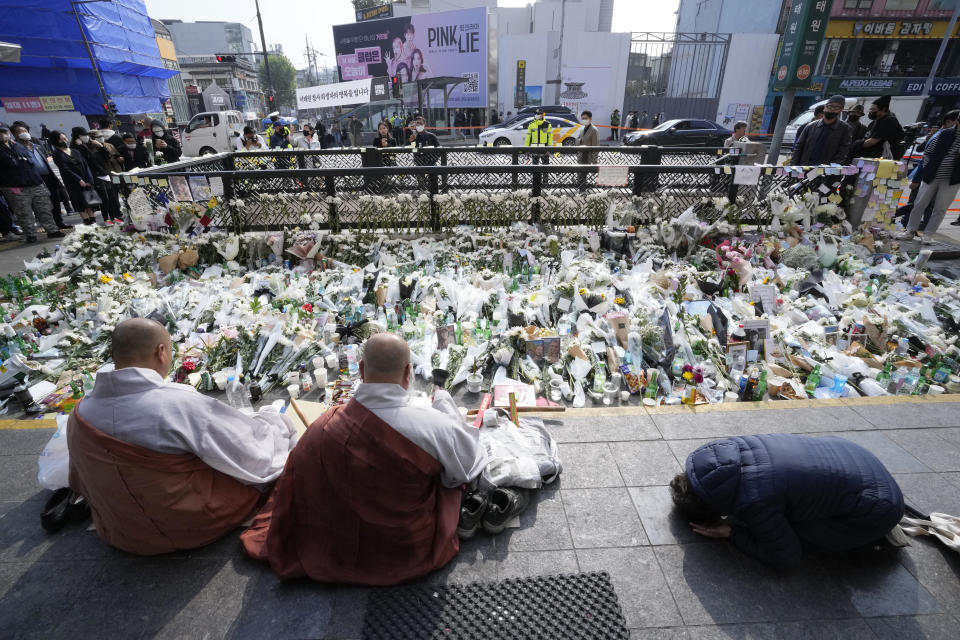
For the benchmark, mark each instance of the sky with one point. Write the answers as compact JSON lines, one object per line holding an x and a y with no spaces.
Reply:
{"x":290,"y":22}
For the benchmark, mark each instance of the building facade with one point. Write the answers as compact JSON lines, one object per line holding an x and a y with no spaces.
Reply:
{"x":230,"y":84}
{"x":176,"y":108}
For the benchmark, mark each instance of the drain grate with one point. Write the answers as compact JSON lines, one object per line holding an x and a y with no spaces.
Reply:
{"x":565,"y":606}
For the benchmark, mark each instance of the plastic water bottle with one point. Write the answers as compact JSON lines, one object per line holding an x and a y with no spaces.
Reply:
{"x":353,"y":363}
{"x":236,"y":395}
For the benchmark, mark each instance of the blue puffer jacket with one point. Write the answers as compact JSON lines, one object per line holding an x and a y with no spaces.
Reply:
{"x":788,"y":490}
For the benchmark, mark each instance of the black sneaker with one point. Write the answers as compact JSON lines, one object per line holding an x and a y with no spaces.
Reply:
{"x":31,"y":239}
{"x":54,"y":515}
{"x":56,"y":234}
{"x":472,"y":508}
{"x":505,"y":504}
{"x":78,"y":509}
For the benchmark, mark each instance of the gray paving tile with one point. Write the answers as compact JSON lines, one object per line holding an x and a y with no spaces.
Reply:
{"x":641,"y":588}
{"x":952,"y":477}
{"x":588,"y":465}
{"x":543,"y":526}
{"x":894,"y":457}
{"x":19,"y":473}
{"x":166,"y":597}
{"x":929,"y":492}
{"x":660,"y":633}
{"x":881,"y":586}
{"x":690,"y":425}
{"x":25,"y":441}
{"x":23,"y":539}
{"x":683,"y":448}
{"x":602,"y":518}
{"x":927,"y":446}
{"x":714,"y":583}
{"x":855,"y":629}
{"x":35,"y":598}
{"x":911,"y":415}
{"x":520,"y":564}
{"x":476,"y":562}
{"x":951,"y":434}
{"x":645,"y":463}
{"x":603,"y":429}
{"x":660,"y":522}
{"x":936,"y":568}
{"x":914,"y":627}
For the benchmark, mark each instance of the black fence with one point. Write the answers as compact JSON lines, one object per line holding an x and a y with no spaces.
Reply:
{"x":431,"y":190}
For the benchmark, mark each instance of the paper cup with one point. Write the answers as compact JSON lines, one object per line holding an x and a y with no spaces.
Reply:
{"x":935,"y":390}
{"x":731,"y":396}
{"x":294,"y":390}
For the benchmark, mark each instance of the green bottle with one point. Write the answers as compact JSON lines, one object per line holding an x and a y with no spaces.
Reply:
{"x":458,"y":333}
{"x":599,"y":378}
{"x":652,"y":385}
{"x":883,"y":378}
{"x":813,"y":380}
{"x":761,"y":388}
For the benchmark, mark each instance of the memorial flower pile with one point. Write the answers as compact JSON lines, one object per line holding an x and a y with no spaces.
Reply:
{"x":664,"y":313}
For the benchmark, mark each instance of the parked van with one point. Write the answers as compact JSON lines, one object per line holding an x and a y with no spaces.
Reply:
{"x":212,"y":132}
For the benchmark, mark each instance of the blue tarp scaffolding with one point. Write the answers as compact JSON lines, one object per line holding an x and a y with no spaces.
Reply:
{"x":54,"y":61}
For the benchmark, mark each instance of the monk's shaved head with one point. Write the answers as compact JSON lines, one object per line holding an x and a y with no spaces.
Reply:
{"x":136,"y":342}
{"x":385,"y":359}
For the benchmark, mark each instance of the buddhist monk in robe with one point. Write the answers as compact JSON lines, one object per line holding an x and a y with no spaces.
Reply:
{"x":371,"y":494}
{"x":163,"y":467}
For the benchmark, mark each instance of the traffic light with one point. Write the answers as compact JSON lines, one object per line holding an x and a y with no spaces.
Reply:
{"x":396,"y":87}
{"x":270,"y":100}
{"x":226,"y":58}
{"x":110,"y":108}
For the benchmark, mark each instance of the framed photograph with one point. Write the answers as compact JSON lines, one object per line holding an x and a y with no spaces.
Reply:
{"x":535,"y":350}
{"x":736,"y":355}
{"x":446,"y":336}
{"x":181,"y":191}
{"x":757,"y":334}
{"x":200,"y":188}
{"x":551,"y":349}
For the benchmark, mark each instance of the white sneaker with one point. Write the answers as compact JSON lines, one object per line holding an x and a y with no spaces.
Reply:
{"x":907,"y":235}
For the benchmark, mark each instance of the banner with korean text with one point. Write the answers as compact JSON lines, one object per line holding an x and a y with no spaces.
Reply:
{"x":340,"y":94}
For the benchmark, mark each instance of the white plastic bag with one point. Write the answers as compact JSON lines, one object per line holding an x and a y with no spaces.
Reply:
{"x":523,"y":455}
{"x":54,"y":462}
{"x":942,"y":526}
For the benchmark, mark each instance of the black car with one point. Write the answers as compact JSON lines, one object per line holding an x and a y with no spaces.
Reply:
{"x":681,"y":133}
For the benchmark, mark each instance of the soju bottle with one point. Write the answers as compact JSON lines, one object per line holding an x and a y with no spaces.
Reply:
{"x":761,"y":388}
{"x":883,"y":378}
{"x":813,"y":380}
{"x":599,"y":378}
{"x":652,"y":385}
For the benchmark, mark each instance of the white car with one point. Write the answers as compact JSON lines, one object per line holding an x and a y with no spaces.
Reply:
{"x":212,"y":132}
{"x":565,"y":132}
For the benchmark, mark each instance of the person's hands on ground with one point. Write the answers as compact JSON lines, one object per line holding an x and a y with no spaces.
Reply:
{"x":711,"y":530}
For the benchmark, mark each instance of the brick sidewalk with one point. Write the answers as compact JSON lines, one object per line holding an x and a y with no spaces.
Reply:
{"x":609,"y":511}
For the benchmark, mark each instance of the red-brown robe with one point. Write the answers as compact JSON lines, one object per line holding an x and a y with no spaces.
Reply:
{"x":357,"y":503}
{"x":148,"y":503}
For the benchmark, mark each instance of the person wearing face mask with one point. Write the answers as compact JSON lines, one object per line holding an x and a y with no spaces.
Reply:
{"x":98,"y":157}
{"x":884,"y":135}
{"x":539,"y":134}
{"x":590,"y":138}
{"x":76,"y":173}
{"x":420,"y":138}
{"x":110,"y":136}
{"x":41,"y":156}
{"x":385,"y":140}
{"x":133,"y":152}
{"x":859,"y":130}
{"x":23,"y":188}
{"x":309,"y":139}
{"x":824,"y":141}
{"x":165,"y":143}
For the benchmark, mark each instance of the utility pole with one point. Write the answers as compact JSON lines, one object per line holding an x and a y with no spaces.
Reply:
{"x":563,"y":18}
{"x":928,"y":85}
{"x":783,"y":117}
{"x":263,"y":43}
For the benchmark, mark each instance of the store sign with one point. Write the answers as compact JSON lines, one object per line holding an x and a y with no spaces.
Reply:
{"x":945,"y":87}
{"x":37,"y":104}
{"x":801,"y":41}
{"x":383,"y":11}
{"x":519,"y":93}
{"x":450,"y":44}
{"x":892,"y":86}
{"x":888,"y":29}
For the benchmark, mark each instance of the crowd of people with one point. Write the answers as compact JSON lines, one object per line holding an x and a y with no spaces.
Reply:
{"x":34,"y":194}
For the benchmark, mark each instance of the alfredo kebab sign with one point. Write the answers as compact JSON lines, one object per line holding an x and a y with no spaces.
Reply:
{"x":419,"y":47}
{"x":800,"y":45}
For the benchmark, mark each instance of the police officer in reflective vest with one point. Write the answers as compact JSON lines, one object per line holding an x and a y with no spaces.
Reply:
{"x":539,"y":134}
{"x":274,"y":117}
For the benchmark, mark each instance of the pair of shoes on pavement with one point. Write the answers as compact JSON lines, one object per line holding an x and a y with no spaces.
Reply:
{"x":63,"y":506}
{"x":491,"y":510}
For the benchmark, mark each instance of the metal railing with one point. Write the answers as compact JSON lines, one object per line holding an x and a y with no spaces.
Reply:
{"x":281,"y":189}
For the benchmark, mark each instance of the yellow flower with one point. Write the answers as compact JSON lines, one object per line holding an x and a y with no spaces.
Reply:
{"x":128,"y":277}
{"x":620,"y":300}
{"x":688,"y":375}
{"x":213,"y":202}
{"x":583,"y":291}
{"x":105,"y":279}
